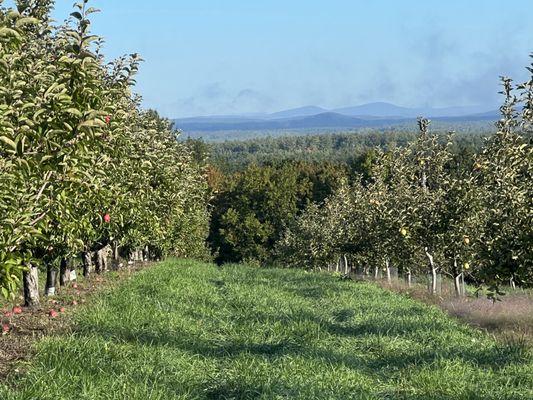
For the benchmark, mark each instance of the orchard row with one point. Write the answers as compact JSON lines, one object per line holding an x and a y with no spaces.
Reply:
{"x":82,"y":168}
{"x":421,"y":214}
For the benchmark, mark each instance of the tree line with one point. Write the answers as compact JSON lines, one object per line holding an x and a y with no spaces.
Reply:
{"x":84,"y":171}
{"x":341,"y":148}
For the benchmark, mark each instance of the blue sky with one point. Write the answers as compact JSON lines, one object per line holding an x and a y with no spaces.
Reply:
{"x":243,"y":56}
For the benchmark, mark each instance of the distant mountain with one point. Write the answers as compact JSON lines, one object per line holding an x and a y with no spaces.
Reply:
{"x":379,"y":109}
{"x":457,"y":111}
{"x":366,"y":115}
{"x":218,"y":119}
{"x":297,"y":112}
{"x":495,"y":114}
{"x":323,"y":120}
{"x":382,"y":109}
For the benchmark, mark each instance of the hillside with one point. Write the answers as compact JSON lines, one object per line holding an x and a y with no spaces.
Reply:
{"x":185,"y":330}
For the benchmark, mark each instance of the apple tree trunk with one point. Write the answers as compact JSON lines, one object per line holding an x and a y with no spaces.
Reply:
{"x":457,"y":279}
{"x":31,"y":287}
{"x":64,"y":272}
{"x":51,"y":277}
{"x":87,"y":261}
{"x":115,"y":251}
{"x":387,"y":269}
{"x":346,"y":266}
{"x":457,"y":285}
{"x":98,"y":262}
{"x":433,"y":271}
{"x":101,"y":261}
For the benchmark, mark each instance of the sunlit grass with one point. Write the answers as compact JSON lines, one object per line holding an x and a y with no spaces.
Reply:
{"x":186,"y":330}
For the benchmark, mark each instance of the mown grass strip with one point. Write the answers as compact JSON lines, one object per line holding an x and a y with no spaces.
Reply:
{"x":187,"y":330}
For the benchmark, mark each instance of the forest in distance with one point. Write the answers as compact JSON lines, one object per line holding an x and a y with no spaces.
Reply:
{"x":334,"y":147}
{"x":408,"y":125}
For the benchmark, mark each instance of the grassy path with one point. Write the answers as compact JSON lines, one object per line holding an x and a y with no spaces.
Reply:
{"x":185,"y":330}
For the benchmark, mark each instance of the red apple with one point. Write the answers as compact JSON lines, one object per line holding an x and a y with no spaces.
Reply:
{"x":5,"y":329}
{"x":74,"y":303}
{"x":62,"y":309}
{"x":52,"y":313}
{"x":75,"y":285}
{"x":8,"y":314}
{"x":107,"y":119}
{"x":17,"y":310}
{"x":107,"y":218}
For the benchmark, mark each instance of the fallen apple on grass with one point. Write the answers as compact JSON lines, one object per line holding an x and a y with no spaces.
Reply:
{"x":5,"y":329}
{"x":52,"y":313}
{"x":17,"y":310}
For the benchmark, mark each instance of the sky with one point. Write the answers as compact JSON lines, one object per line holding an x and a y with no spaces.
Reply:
{"x":210,"y":57}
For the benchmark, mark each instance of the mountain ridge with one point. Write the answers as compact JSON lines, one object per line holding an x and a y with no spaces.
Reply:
{"x":365,"y":115}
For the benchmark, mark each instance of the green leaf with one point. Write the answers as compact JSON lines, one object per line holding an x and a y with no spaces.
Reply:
{"x":77,"y":15}
{"x":8,"y":142}
{"x":7,"y":32}
{"x":26,"y":21}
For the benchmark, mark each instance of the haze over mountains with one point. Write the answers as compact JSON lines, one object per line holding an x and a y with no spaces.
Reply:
{"x":370,"y":114}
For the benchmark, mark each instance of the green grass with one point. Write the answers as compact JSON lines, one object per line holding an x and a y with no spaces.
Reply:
{"x":186,"y":330}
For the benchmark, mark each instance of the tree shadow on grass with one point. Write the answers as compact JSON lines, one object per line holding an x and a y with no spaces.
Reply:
{"x":380,"y":362}
{"x":225,"y":390}
{"x":495,"y":357}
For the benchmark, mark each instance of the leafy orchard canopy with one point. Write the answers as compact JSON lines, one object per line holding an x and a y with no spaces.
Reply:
{"x":82,"y":166}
